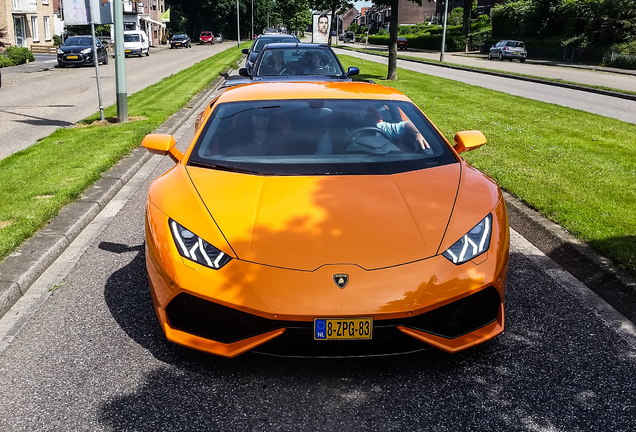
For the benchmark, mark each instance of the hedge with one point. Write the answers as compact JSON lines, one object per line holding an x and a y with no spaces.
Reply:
{"x":425,"y":41}
{"x":13,"y":56}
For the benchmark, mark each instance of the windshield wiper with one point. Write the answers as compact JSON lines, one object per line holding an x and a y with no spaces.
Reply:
{"x":201,"y":164}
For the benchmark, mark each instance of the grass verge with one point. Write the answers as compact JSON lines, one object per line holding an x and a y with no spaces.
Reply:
{"x":37,"y":182}
{"x":576,"y":168}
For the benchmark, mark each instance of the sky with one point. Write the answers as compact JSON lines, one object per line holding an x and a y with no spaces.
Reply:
{"x":361,"y":4}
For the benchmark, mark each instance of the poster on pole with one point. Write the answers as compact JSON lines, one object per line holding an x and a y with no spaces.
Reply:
{"x":321,"y":24}
{"x":78,"y":12}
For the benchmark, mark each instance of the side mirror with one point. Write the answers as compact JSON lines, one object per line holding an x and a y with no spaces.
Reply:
{"x":353,"y":71}
{"x":244,"y":72}
{"x":162,"y":144}
{"x":245,"y":51}
{"x":468,"y":140}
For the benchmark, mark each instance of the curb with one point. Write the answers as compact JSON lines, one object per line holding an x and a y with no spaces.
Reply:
{"x":598,"y":273}
{"x":25,"y":265}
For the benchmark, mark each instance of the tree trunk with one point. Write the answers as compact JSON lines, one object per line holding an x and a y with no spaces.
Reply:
{"x":468,"y":8}
{"x":393,"y":31}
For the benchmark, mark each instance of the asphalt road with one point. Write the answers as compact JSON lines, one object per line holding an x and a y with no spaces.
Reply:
{"x":92,"y":357}
{"x":37,"y":98}
{"x":82,"y":350}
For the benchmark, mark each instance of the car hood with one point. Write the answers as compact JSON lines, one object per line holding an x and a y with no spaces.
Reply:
{"x":307,"y":222}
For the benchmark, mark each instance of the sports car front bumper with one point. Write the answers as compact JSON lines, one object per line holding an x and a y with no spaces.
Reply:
{"x":244,"y":305}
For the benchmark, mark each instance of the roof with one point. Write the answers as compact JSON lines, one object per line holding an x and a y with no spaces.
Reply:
{"x":310,"y":90}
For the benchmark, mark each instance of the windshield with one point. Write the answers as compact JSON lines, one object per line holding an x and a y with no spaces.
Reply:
{"x":319,"y":137}
{"x":131,"y":37}
{"x":299,"y":61}
{"x":180,"y":36}
{"x":78,"y":41}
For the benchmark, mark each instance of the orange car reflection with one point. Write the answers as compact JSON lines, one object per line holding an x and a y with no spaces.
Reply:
{"x":324,"y":219}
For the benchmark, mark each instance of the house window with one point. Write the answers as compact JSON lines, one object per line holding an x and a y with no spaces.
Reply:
{"x":34,"y":29}
{"x":47,"y":28}
{"x":45,"y":2}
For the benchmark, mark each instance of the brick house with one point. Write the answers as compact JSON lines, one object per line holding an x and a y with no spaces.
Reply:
{"x":27,"y":22}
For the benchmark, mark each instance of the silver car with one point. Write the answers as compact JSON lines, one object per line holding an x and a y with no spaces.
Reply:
{"x":508,"y":49}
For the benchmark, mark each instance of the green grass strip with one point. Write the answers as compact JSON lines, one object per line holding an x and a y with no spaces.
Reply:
{"x":38,"y":181}
{"x":576,"y":168}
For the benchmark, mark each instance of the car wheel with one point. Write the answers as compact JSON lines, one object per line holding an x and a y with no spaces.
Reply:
{"x":105,"y":59}
{"x":500,"y":56}
{"x":148,"y":52}
{"x":489,"y":56}
{"x":522,"y":60}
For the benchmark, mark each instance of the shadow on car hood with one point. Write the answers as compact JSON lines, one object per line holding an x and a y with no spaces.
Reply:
{"x":306,"y":222}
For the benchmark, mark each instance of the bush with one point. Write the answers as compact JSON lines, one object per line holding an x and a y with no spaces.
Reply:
{"x":622,"y":61}
{"x":18,"y":55}
{"x":454,"y":42}
{"x":4,"y":61}
{"x":479,"y":38}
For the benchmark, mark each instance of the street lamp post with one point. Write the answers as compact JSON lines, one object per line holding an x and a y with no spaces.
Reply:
{"x":238,"y":25}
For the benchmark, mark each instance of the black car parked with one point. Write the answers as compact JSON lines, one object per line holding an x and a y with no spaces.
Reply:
{"x":180,"y":40}
{"x":78,"y":50}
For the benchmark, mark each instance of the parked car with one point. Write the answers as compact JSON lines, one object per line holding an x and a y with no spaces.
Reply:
{"x":508,"y":49}
{"x":402,"y":43}
{"x":263,"y":40}
{"x":78,"y":50}
{"x":218,"y":37}
{"x":350,"y":37}
{"x":294,"y":62}
{"x":180,"y":40}
{"x":136,"y":43}
{"x":206,"y":37}
{"x":296,"y":224}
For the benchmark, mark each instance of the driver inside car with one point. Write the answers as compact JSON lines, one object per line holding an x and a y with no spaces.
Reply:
{"x":341,"y":130}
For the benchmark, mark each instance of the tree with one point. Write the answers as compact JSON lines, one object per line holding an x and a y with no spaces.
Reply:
{"x":294,"y":13}
{"x":3,"y":34}
{"x":393,"y":34}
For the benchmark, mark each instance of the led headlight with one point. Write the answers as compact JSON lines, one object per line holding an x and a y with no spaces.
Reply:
{"x":87,"y":50}
{"x":474,"y":243}
{"x":196,"y":249}
{"x":59,"y":51}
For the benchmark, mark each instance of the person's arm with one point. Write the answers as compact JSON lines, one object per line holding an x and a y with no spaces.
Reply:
{"x":401,"y":128}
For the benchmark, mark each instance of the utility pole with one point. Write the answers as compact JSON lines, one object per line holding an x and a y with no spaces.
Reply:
{"x":120,"y":62}
{"x":238,"y":25}
{"x":441,"y":55}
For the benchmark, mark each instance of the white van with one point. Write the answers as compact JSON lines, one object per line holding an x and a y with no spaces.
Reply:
{"x":136,"y":43}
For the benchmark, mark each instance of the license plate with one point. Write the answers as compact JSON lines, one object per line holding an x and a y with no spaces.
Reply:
{"x":71,"y":57}
{"x":127,"y":51}
{"x":343,"y":328}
